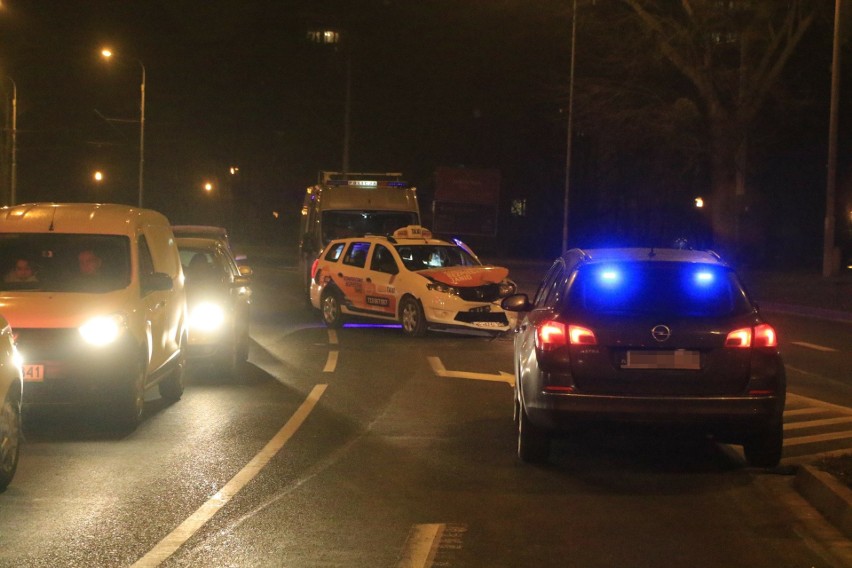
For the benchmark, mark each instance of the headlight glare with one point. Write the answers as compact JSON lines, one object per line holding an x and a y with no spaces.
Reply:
{"x":102,"y":330}
{"x":206,"y":316}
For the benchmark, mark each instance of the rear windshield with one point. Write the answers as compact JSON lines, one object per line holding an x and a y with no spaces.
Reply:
{"x":667,"y":288}
{"x":64,"y":262}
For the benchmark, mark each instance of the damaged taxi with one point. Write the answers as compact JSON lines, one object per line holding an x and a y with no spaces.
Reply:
{"x":411,"y":278}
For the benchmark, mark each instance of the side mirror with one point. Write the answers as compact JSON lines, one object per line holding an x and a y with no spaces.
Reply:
{"x":516,"y":303}
{"x":156,"y":282}
{"x":245,"y":270}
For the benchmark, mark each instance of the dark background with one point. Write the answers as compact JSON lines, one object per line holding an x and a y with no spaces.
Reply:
{"x":480,"y":84}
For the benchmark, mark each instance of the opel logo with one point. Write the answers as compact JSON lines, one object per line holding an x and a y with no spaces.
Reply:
{"x":661,"y":333}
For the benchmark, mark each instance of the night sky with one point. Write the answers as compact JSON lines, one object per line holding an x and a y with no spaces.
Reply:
{"x":479,"y":83}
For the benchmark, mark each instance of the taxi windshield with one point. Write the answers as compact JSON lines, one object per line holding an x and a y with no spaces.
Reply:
{"x":55,"y":262}
{"x":426,"y":256}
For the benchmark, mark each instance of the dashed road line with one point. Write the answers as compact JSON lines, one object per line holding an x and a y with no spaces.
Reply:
{"x":814,"y":346}
{"x":421,"y":546}
{"x":331,"y":362}
{"x":332,"y":337}
{"x":174,"y":540}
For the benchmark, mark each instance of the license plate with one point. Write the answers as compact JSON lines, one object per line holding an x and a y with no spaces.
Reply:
{"x":487,"y":324}
{"x":33,"y":373}
{"x":678,"y":359}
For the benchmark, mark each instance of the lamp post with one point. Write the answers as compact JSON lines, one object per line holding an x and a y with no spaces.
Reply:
{"x":829,"y":266}
{"x":570,"y":130}
{"x":107,"y":54}
{"x":13,"y":180}
{"x":333,"y":37}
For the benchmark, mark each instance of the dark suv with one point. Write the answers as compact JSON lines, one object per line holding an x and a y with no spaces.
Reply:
{"x":661,"y":336}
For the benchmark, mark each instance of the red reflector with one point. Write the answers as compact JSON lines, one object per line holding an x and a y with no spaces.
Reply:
{"x":756,"y":392}
{"x":581,"y":335}
{"x":764,"y":336}
{"x":739,"y":338}
{"x":558,"y":389}
{"x":550,"y":335}
{"x":314,"y":267}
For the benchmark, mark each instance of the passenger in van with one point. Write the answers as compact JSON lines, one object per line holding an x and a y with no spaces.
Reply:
{"x":90,"y":263}
{"x":22,"y":272}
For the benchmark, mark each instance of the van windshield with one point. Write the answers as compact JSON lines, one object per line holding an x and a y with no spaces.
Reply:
{"x":52,"y":262}
{"x":343,"y":224}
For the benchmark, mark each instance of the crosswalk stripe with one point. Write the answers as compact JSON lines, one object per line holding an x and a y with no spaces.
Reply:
{"x":804,"y":411}
{"x":817,"y":423}
{"x":801,"y":440}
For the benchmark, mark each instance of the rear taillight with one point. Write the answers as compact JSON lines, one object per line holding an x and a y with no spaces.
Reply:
{"x":314,"y":267}
{"x":551,"y":335}
{"x":581,"y":335}
{"x":762,"y":335}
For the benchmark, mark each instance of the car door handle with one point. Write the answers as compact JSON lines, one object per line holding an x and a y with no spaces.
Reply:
{"x":369,"y":279}
{"x":340,"y":274}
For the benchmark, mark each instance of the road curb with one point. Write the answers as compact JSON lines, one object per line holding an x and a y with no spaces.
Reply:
{"x":827,"y":495}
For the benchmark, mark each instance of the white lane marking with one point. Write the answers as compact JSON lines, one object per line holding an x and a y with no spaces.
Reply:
{"x":817,"y":423}
{"x":166,"y":547}
{"x":800,"y":440}
{"x":439,"y":369}
{"x":805,"y":400}
{"x":814,"y":346}
{"x":421,"y":545}
{"x":331,"y":362}
{"x":803,"y":411}
{"x":332,"y":337}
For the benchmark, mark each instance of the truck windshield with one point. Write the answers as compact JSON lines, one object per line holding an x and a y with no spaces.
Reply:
{"x":52,"y":262}
{"x":342,"y":224}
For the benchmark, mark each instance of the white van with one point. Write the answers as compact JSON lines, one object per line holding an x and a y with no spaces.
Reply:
{"x":94,"y":294}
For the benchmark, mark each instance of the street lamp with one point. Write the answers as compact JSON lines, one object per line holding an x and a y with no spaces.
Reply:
{"x":829,"y":266}
{"x":13,"y":182}
{"x":107,"y":54}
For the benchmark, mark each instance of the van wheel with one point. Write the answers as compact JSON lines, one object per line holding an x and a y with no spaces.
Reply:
{"x":130,"y":402}
{"x":533,"y":442}
{"x":171,"y":388}
{"x":330,"y":305}
{"x":412,"y":318}
{"x":764,"y":447}
{"x":10,"y":438}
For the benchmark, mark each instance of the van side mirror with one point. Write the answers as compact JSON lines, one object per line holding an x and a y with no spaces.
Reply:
{"x":246,"y":270}
{"x":156,"y":282}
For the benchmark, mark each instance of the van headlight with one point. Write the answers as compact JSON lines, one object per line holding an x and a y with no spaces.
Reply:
{"x":206,"y":316}
{"x":103,"y":330}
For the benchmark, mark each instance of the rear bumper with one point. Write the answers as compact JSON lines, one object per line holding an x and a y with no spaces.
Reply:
{"x":723,"y":415}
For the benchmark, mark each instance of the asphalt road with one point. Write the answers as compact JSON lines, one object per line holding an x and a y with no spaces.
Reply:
{"x":363,"y":448}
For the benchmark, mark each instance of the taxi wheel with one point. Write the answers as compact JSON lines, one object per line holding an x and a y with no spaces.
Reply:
{"x":412,"y":318}
{"x":10,"y":438}
{"x":330,"y":304}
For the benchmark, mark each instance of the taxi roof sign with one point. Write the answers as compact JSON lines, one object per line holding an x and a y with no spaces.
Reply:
{"x":412,"y":232}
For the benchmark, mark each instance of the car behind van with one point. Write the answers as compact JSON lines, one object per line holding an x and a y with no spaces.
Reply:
{"x":100,"y":314}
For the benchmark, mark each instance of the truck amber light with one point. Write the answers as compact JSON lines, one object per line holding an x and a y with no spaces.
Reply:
{"x":764,"y":336}
{"x":550,"y":335}
{"x":739,"y":338}
{"x":581,"y":335}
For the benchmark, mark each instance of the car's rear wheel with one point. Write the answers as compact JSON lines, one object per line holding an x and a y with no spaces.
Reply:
{"x":330,"y":305}
{"x":764,"y":447}
{"x":10,"y":438}
{"x":533,"y":442}
{"x":412,"y":318}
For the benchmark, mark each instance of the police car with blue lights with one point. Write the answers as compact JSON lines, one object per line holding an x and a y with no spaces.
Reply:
{"x":411,"y":278}
{"x":661,"y":336}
